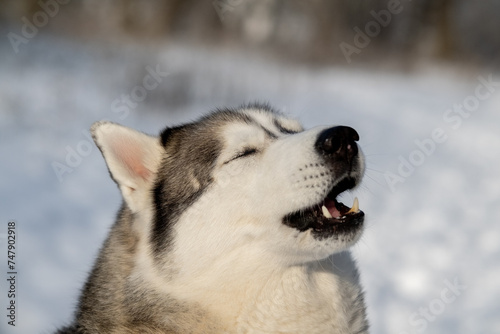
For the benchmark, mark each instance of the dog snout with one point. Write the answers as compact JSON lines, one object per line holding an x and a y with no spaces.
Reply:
{"x":338,"y":143}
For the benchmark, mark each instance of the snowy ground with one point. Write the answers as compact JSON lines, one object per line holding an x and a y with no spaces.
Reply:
{"x":438,"y":228}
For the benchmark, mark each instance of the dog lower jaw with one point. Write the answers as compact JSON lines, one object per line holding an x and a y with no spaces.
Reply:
{"x":323,"y":225}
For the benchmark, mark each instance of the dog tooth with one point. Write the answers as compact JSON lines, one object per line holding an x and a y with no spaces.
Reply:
{"x":326,"y":213}
{"x":355,"y":206}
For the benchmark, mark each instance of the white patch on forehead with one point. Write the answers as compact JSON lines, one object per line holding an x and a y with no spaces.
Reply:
{"x":264,"y":118}
{"x":290,"y":124}
{"x":274,"y":122}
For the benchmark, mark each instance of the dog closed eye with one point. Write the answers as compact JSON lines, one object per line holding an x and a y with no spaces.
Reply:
{"x":248,"y":151}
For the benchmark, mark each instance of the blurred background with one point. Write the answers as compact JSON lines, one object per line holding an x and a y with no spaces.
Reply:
{"x":419,"y":80}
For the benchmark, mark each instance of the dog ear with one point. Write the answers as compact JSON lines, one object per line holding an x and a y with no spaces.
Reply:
{"x":132,"y":158}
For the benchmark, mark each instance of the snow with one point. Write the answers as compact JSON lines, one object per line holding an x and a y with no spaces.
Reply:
{"x":438,"y":228}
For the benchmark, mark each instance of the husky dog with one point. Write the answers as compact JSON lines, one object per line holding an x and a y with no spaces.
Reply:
{"x":230,"y":224}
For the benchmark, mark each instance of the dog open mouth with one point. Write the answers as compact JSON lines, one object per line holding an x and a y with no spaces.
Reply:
{"x":329,"y":217}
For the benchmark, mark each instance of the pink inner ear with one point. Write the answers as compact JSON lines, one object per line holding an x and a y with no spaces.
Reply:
{"x":131,"y":156}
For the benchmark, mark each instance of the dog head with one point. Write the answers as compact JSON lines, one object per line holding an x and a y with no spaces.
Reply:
{"x":236,"y":183}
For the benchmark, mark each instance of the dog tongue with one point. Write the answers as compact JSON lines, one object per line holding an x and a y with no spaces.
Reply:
{"x":330,"y":205}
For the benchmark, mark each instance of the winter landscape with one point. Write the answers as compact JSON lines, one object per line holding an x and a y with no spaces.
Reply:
{"x":430,"y":254}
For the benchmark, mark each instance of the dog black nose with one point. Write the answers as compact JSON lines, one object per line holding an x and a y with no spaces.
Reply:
{"x":338,"y":141}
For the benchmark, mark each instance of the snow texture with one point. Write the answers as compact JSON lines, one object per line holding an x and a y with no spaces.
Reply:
{"x":429,"y":258}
